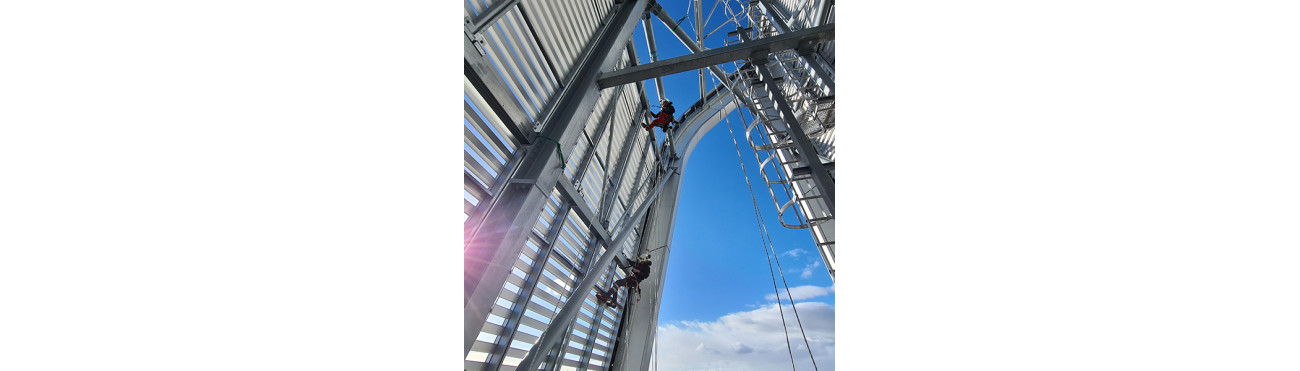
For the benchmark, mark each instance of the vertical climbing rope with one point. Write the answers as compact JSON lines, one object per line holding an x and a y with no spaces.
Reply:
{"x":770,"y":254}
{"x":766,"y":253}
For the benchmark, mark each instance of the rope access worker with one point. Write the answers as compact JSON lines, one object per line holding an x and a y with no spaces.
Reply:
{"x":640,"y":271}
{"x":664,"y":117}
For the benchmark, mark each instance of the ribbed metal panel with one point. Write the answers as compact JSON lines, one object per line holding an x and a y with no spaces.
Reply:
{"x":489,"y":148}
{"x":511,"y":303}
{"x":529,"y":80}
{"x":565,"y":27}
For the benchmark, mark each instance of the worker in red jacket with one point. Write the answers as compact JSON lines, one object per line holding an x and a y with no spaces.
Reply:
{"x":664,"y":117}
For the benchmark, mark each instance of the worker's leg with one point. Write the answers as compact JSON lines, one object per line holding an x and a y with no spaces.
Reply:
{"x":661,"y":121}
{"x":604,"y":295}
{"x":622,"y":282}
{"x":611,"y":296}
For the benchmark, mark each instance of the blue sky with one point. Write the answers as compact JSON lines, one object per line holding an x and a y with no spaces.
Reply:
{"x":718,"y":274}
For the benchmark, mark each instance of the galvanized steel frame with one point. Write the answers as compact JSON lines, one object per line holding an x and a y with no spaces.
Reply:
{"x":558,"y":88}
{"x":522,"y":198}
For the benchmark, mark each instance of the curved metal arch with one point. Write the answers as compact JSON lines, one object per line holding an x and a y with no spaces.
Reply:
{"x":701,"y":121}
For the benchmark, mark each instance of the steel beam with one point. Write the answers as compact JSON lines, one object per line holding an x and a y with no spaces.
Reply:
{"x":496,"y":93}
{"x":640,"y":86}
{"x":489,"y":16}
{"x":588,"y":260}
{"x":588,"y":216}
{"x":491,"y":251}
{"x":779,"y":14}
{"x":712,"y":57}
{"x":639,"y":327}
{"x":806,"y":171}
{"x":561,"y":322}
{"x":607,"y":202}
{"x":654,"y":52}
{"x":824,"y":12}
{"x":611,"y":190}
{"x":798,"y":10}
{"x":600,"y":132}
{"x":777,"y":20}
{"x":822,"y":178}
{"x":810,"y":58}
{"x":699,"y":39}
{"x":685,"y":41}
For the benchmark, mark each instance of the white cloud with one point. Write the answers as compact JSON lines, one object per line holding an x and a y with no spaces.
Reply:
{"x":808,"y":270}
{"x":750,"y":340}
{"x":804,"y":292}
{"x":794,"y":253}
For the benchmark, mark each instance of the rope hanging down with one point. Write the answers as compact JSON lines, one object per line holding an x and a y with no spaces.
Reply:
{"x":766,"y":254}
{"x":770,"y":254}
{"x":798,"y":214}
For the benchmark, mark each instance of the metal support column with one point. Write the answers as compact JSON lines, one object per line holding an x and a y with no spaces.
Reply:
{"x":699,"y":39}
{"x":654,"y":52}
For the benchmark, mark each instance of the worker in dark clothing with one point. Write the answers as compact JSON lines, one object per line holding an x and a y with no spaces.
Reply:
{"x":640,"y":271}
{"x":664,"y":117}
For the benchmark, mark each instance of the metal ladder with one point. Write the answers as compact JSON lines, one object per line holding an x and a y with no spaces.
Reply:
{"x":768,"y":135}
{"x":808,"y":99}
{"x":780,"y":163}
